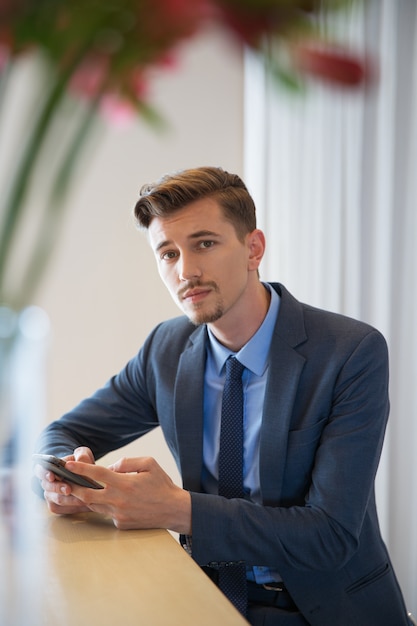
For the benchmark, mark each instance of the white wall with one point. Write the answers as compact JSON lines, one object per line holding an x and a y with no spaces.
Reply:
{"x":102,"y":291}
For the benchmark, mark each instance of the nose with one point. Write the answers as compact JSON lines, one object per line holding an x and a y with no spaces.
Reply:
{"x":188,"y":268}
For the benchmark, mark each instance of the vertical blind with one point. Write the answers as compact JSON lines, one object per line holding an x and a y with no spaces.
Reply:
{"x":334,"y":176}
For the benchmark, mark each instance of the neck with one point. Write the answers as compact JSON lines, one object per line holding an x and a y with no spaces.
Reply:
{"x":235,"y":328}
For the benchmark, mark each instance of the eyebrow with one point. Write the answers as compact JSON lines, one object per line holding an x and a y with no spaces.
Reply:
{"x":196,"y":235}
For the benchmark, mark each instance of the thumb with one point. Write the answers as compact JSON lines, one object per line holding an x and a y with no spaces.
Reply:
{"x":127,"y":465}
{"x":84,"y":454}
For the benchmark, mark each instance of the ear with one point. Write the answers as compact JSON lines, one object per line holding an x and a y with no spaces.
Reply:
{"x":256,"y":245}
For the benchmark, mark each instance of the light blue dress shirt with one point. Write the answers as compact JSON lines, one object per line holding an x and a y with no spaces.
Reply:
{"x":254,"y":356}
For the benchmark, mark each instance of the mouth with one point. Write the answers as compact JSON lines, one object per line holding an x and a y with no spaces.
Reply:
{"x":194,"y":295}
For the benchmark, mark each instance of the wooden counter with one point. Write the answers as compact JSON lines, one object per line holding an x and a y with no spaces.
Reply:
{"x":89,"y":573}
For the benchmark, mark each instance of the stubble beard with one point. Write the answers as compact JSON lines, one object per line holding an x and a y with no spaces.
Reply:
{"x":206,"y":317}
{"x":198,"y":315}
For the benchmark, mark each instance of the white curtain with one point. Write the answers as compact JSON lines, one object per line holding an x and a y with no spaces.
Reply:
{"x":334,"y":176}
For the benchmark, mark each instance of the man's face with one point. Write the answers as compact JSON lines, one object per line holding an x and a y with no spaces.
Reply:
{"x":201,"y":260}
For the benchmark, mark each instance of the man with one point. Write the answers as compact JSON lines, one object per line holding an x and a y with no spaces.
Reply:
{"x":305,"y":527}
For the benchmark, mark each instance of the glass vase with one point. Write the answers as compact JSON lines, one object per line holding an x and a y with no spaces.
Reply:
{"x":23,"y":347}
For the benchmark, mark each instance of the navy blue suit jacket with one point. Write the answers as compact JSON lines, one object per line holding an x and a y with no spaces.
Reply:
{"x":323,"y":424}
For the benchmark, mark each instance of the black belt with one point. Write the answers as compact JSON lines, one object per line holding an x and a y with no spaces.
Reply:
{"x":271,"y":594}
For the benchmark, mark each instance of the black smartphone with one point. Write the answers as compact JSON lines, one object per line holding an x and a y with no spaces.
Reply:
{"x":57,"y":466}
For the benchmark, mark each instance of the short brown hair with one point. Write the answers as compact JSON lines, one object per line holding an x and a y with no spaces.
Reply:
{"x":174,"y":191}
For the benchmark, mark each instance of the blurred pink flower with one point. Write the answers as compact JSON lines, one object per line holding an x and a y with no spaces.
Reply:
{"x":119,"y":112}
{"x":331,"y":63}
{"x":248,"y":24}
{"x":90,"y":77}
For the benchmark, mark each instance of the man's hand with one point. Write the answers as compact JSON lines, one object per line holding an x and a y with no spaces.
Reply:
{"x":137,"y":494}
{"x":58,"y":494}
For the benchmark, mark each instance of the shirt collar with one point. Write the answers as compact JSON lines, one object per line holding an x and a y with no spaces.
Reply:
{"x":254,"y":354}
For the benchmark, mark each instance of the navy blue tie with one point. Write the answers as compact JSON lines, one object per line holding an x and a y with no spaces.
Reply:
{"x":232,"y":576}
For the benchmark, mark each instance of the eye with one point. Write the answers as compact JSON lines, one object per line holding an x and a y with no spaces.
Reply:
{"x":169,"y":255}
{"x":207,"y":243}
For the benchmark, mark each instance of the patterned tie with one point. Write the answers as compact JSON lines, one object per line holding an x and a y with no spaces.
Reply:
{"x":232,"y":577}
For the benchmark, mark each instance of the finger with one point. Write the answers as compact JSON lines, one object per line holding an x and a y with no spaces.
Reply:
{"x":56,"y":486}
{"x":41,"y":473}
{"x":44,"y":474}
{"x":63,"y":500}
{"x":96,"y":472}
{"x":64,"y":505}
{"x":134,"y":464}
{"x":69,"y":457}
{"x":66,"y":498}
{"x":83,"y":454}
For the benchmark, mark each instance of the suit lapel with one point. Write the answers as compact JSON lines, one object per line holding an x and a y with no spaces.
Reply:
{"x":188,"y":409}
{"x":285,"y":368}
